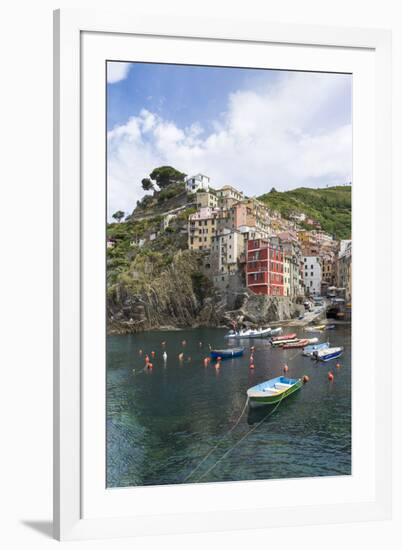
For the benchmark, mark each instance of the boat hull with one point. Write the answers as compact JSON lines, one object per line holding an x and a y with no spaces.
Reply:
{"x":330,"y":356}
{"x":226,"y":354}
{"x":267,"y":400}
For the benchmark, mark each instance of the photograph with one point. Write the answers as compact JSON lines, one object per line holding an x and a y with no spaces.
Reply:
{"x":228,"y":243}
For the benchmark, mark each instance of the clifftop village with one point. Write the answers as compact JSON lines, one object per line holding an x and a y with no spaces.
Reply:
{"x":245,"y":243}
{"x":241,"y":235}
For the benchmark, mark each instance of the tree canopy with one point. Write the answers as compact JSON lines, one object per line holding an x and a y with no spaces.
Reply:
{"x":147,"y":184}
{"x":119,"y":215}
{"x":166,"y":175}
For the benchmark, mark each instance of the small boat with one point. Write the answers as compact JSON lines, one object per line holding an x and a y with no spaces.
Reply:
{"x":328,"y":354}
{"x":330,"y":327}
{"x":316,"y":328}
{"x":298,"y":344}
{"x":272,"y":391}
{"x":282,"y":343}
{"x":312,"y":340}
{"x":226,"y":353}
{"x":276,"y":331}
{"x":310,"y":349}
{"x":284,"y":337}
{"x":250,"y":333}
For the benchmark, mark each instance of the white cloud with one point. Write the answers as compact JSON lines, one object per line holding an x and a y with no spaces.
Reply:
{"x":284,"y":135}
{"x":116,"y":71}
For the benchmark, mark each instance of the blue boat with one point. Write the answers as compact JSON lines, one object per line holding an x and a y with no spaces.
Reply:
{"x":309,"y":350}
{"x":226,"y":353}
{"x":328,"y":354}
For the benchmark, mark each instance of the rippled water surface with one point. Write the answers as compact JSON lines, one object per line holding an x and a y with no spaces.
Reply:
{"x":162,"y":422}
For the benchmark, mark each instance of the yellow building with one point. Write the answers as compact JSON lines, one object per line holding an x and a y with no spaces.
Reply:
{"x":205,"y":200}
{"x":202,"y":226}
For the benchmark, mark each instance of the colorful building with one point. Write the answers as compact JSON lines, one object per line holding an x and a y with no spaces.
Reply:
{"x":264,"y":267}
{"x":202,"y":226}
{"x":312,"y":275}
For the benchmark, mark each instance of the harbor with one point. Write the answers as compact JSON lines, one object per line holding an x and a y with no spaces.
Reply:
{"x":164,"y":419}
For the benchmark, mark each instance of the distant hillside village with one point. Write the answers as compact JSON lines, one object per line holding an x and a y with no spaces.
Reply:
{"x":242,"y":243}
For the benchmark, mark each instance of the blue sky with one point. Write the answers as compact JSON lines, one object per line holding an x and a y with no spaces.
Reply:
{"x":251,"y":128}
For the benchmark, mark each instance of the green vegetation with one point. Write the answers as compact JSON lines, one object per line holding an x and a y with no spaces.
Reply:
{"x":119,"y":215}
{"x":166,"y":175}
{"x":330,"y":206}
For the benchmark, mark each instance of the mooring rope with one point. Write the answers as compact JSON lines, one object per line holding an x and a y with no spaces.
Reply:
{"x":227,"y":433}
{"x":241,"y":439}
{"x":219,"y":442}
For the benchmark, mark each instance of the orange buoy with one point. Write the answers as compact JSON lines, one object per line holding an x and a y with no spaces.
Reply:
{"x":150,"y":365}
{"x":330,"y":376}
{"x":147,"y":358}
{"x":252,"y":348}
{"x":181,"y":356}
{"x":305,"y":379}
{"x":153,"y":353}
{"x":338,"y":365}
{"x":218,"y":365}
{"x":219,"y":359}
{"x":285,"y":368}
{"x":251,"y":366}
{"x":206,"y":361}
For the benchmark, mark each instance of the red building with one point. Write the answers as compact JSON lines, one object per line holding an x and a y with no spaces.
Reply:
{"x":264,"y":268}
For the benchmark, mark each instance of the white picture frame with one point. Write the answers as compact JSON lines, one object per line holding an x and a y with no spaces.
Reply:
{"x":82,"y":509}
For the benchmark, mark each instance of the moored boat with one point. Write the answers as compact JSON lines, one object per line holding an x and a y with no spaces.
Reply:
{"x":273,"y":391}
{"x":310,"y":349}
{"x":226,"y":353}
{"x":328,"y":354}
{"x":284,"y":337}
{"x":316,"y":328}
{"x":250,"y":333}
{"x":298,"y":344}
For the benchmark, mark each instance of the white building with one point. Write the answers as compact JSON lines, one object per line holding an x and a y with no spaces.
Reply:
{"x":226,"y":251}
{"x":196,"y":183}
{"x":312,"y":275}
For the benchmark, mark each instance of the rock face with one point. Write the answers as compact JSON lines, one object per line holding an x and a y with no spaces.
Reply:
{"x":182,"y":297}
{"x":179,"y":297}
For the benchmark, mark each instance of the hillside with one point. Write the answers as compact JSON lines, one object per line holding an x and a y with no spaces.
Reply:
{"x":331,"y":206}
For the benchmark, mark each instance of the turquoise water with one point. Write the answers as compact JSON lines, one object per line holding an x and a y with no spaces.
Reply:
{"x":162,"y":421}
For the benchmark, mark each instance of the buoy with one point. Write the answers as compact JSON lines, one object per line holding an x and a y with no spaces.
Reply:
{"x":330,"y":376}
{"x":338,"y":365}
{"x":163,"y":343}
{"x":218,"y":365}
{"x":305,"y":379}
{"x":206,"y":362}
{"x":183,"y":343}
{"x":219,"y":359}
{"x":181,"y":356}
{"x":200,"y":344}
{"x":147,"y":358}
{"x":252,"y":348}
{"x":285,"y":368}
{"x":251,"y":366}
{"x":164,"y":356}
{"x":140,"y":352}
{"x":150,"y":365}
{"x":153,"y":353}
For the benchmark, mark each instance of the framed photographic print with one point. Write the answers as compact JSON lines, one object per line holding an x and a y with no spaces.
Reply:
{"x":216,"y":360}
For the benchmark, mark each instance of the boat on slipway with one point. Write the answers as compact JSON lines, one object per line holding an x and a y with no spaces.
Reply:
{"x":228,"y":353}
{"x":273,"y":391}
{"x":310,"y":349}
{"x":328,"y":354}
{"x":250,"y":333}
